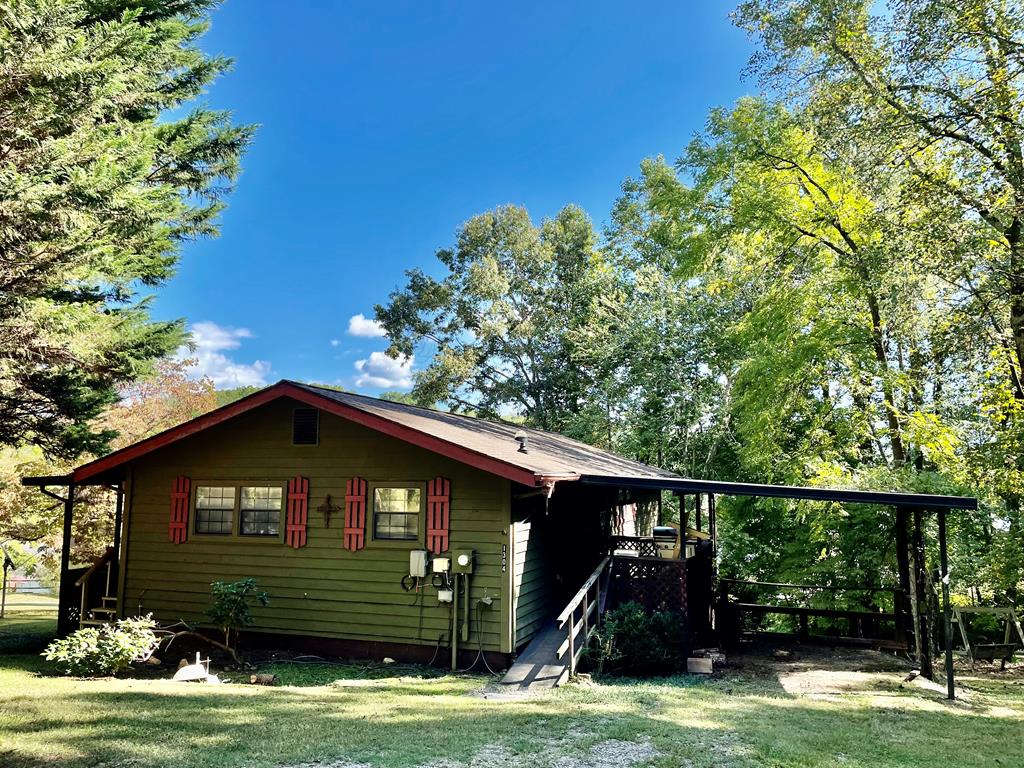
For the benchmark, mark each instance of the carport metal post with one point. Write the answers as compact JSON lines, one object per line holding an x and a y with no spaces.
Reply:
{"x":947,"y":621}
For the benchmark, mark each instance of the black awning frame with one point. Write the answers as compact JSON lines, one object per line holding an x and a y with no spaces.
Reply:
{"x":889,"y":498}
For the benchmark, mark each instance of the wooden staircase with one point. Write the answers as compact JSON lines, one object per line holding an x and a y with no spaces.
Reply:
{"x":102,"y":614}
{"x":91,"y":614}
{"x":538,"y":666}
{"x":551,"y":657}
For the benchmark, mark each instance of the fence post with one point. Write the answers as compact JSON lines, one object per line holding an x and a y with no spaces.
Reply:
{"x":3,"y":592}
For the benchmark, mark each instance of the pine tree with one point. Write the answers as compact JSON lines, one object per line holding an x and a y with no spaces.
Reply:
{"x":104,"y":173}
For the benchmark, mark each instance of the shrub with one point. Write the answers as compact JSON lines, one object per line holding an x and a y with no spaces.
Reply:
{"x":232,"y":601}
{"x":631,"y":641}
{"x":105,"y":650}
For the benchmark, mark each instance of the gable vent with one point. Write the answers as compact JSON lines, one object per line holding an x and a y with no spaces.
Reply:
{"x":305,"y":426}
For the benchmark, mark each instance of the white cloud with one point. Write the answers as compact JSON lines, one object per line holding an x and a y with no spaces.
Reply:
{"x":335,"y":342}
{"x":381,"y":371}
{"x":359,"y":325}
{"x":211,"y":342}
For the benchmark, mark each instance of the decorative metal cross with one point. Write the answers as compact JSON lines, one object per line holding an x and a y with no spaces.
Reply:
{"x":328,"y":508}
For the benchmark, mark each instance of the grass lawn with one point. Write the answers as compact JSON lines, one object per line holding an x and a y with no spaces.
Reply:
{"x":29,"y":623}
{"x":770,"y":714}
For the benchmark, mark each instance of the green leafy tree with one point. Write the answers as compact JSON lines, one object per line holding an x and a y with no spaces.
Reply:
{"x":103,"y":175}
{"x":497,"y":324}
{"x":922,"y":99}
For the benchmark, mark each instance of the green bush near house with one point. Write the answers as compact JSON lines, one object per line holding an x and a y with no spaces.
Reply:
{"x":632,"y":641}
{"x":232,"y":606}
{"x":103,"y":651}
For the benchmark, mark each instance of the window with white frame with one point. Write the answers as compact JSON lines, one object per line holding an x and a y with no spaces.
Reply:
{"x":261,"y":510}
{"x":215,"y":509}
{"x":396,"y":512}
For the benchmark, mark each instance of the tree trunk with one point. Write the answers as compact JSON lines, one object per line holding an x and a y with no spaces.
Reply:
{"x":899,"y":455}
{"x":1016,"y":289}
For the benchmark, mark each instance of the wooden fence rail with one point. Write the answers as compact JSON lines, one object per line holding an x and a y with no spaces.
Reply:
{"x":862,"y":624}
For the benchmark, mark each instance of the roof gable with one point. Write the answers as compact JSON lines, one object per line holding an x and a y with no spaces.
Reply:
{"x":486,"y":445}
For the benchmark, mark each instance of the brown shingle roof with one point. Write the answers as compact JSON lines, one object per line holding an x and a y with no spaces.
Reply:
{"x":487,"y":445}
{"x":549,"y":454}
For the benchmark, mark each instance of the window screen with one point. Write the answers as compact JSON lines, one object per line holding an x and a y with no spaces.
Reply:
{"x":305,"y":426}
{"x":261,"y":510}
{"x":396,"y":513}
{"x":215,"y":506}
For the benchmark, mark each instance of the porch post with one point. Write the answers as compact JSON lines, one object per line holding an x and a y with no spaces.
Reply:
{"x":902,"y":603}
{"x":712,"y":522}
{"x":924,"y":646}
{"x":63,"y":623}
{"x":118,"y":515}
{"x":947,"y":624}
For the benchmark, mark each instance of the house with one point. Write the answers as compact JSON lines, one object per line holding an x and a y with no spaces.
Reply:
{"x":385,"y":529}
{"x":345,"y":507}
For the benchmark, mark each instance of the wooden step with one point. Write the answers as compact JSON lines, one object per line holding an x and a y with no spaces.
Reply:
{"x":109,"y":600}
{"x":108,"y":611}
{"x":537,"y":667}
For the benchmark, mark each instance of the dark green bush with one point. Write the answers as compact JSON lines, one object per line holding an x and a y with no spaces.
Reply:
{"x":232,"y":606}
{"x":631,"y":641}
{"x":105,"y":650}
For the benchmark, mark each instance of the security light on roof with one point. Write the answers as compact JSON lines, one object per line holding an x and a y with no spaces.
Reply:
{"x":522,"y":438}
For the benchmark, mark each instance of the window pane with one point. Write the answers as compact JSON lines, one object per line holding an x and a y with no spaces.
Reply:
{"x":215,"y":497}
{"x":261,"y":497}
{"x":396,"y":513}
{"x":215,"y":507}
{"x":261,"y":510}
{"x":396,"y":500}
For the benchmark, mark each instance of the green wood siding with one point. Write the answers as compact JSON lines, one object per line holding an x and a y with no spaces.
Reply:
{"x":321,"y":589}
{"x":530,"y":578}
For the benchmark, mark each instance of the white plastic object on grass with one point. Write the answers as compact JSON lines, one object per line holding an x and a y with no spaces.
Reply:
{"x":200,"y":670}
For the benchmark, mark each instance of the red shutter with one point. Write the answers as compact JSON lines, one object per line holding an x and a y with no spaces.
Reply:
{"x":298,"y":504}
{"x":181,"y":494}
{"x":439,"y":491}
{"x":355,"y":514}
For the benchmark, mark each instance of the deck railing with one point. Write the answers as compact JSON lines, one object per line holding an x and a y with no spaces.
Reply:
{"x":644,"y":546}
{"x":582,"y":615}
{"x":790,"y":600}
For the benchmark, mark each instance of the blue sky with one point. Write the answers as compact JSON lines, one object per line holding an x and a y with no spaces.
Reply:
{"x":384,"y":126}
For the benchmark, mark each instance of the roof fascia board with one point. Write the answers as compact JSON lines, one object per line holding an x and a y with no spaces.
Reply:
{"x":286,"y":389}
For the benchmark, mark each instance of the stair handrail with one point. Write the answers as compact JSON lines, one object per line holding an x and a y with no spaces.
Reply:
{"x":107,"y":559}
{"x":102,"y":560}
{"x":568,"y":616}
{"x":578,"y":597}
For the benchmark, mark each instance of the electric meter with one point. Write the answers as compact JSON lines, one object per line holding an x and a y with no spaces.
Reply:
{"x":463,"y":561}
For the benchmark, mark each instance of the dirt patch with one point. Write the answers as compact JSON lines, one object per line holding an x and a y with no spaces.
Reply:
{"x":611,"y":753}
{"x":819,"y":671}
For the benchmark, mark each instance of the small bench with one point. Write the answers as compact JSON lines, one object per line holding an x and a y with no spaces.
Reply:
{"x":1002,"y":652}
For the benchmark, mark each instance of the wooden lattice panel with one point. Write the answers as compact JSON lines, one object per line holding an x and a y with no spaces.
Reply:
{"x":643,"y":546}
{"x":656,"y":584}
